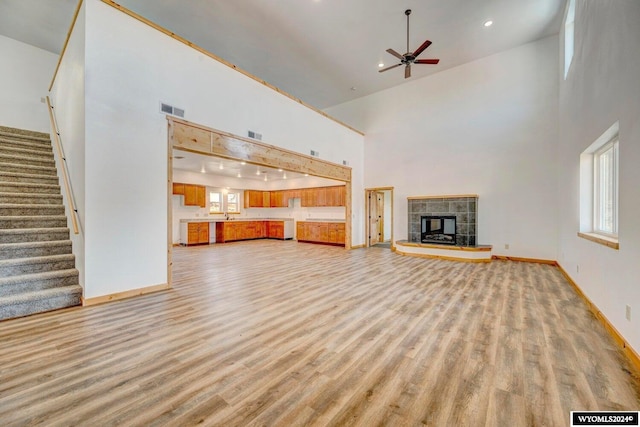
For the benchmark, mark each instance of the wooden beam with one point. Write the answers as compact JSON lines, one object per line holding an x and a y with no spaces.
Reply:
{"x":213,"y":142}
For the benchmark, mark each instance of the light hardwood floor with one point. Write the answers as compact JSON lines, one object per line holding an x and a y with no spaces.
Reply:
{"x":283,"y":333}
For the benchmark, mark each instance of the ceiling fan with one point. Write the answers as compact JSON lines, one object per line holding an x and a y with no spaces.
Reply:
{"x":410,"y":58}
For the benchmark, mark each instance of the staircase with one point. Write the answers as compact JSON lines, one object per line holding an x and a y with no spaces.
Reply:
{"x":37,"y":268}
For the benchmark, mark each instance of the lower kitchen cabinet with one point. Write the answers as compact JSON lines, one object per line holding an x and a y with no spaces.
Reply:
{"x":197,"y":233}
{"x":246,"y":230}
{"x":332,"y":233}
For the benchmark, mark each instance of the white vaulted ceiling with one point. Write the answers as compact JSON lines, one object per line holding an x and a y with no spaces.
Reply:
{"x":324,"y":52}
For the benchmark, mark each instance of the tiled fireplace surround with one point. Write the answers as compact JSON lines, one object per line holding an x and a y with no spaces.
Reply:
{"x":463,"y":207}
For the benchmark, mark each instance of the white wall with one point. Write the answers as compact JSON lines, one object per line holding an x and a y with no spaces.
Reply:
{"x":67,"y":98}
{"x":25,"y":75}
{"x":601,"y":88}
{"x":128,"y":73}
{"x":489,"y":128}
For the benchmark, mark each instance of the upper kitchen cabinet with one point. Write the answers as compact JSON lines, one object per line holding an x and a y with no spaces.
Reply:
{"x":323,"y":196}
{"x":257,"y":199}
{"x":194,"y":195}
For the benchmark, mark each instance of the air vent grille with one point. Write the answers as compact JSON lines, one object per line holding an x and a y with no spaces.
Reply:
{"x":254,"y":135}
{"x":170,"y":109}
{"x":315,"y":153}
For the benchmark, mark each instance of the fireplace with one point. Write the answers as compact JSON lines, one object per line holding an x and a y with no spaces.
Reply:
{"x":438,"y":229}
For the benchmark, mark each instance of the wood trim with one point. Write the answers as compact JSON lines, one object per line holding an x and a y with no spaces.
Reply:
{"x":66,"y":42}
{"x":170,"y":207}
{"x":126,"y":294}
{"x":449,"y":196}
{"x":63,"y":165}
{"x":629,"y":351}
{"x":602,"y":240}
{"x":479,"y":248}
{"x":222,"y":61}
{"x":357,"y":246}
{"x":519,"y":259}
{"x":448,"y":258}
{"x":201,"y":139}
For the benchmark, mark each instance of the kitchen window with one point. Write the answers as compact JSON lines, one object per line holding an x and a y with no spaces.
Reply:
{"x":233,"y":205}
{"x":215,"y":202}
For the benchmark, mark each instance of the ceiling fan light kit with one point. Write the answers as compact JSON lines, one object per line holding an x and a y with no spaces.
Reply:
{"x":410,"y":58}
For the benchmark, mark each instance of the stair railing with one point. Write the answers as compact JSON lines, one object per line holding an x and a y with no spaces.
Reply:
{"x":65,"y":171}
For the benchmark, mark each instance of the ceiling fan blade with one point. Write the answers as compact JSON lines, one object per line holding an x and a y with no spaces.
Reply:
{"x":388,"y":68}
{"x":426,"y":61}
{"x":407,"y":71}
{"x":422,"y":47}
{"x":396,"y":54}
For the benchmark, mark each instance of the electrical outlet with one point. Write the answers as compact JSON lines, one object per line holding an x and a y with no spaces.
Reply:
{"x":506,"y":246}
{"x":628,"y":313}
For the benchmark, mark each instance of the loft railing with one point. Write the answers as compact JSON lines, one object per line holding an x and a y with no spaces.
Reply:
{"x":65,"y":172}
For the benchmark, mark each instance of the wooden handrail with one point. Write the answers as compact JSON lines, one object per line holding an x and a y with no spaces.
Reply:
{"x":65,"y":173}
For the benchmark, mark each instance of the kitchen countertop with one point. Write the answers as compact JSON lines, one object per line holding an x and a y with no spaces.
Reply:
{"x":243,"y":219}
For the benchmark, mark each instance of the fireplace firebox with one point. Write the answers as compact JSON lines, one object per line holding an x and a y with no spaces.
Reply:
{"x":438,"y":229}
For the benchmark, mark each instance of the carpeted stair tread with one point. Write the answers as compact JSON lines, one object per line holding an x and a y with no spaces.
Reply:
{"x":23,"y":133}
{"x":29,"y":249}
{"x":27,"y":178}
{"x":14,"y":209}
{"x":28,"y":187}
{"x":30,"y":198}
{"x":39,"y":221}
{"x":14,"y":285}
{"x":13,"y":158}
{"x":25,"y":152}
{"x":22,"y":143}
{"x":40,"y":301}
{"x":36,"y":234}
{"x":39,"y":264}
{"x":32,"y":169}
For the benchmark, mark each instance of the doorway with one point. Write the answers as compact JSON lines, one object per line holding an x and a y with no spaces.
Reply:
{"x":379,"y":217}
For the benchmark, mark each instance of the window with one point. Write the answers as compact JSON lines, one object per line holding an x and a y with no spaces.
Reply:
{"x":605,"y":189}
{"x":215,"y":202}
{"x":569,"y":32}
{"x":223,"y":201}
{"x":599,"y":169}
{"x":232,"y":202}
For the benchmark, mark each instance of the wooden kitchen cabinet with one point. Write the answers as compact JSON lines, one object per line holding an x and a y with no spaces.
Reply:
{"x":323,"y":196}
{"x":279,"y":199}
{"x":197,"y":233}
{"x":195,"y":195}
{"x":275,"y":229}
{"x":257,"y":199}
{"x":178,"y":188}
{"x":332,"y":233}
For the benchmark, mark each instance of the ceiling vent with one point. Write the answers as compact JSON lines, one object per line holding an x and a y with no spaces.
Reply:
{"x":315,"y":153}
{"x":345,"y":162}
{"x":255,"y":135}
{"x":170,"y":109}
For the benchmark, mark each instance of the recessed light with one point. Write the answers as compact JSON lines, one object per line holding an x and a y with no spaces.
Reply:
{"x":306,"y":174}
{"x":179,"y":157}
{"x":488,"y":23}
{"x":352,"y":88}
{"x":243,"y":163}
{"x":284,"y":176}
{"x":221,"y":166}
{"x":280,"y":170}
{"x":239,"y":175}
{"x":202,"y":170}
{"x":258,"y":172}
{"x":381,"y":64}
